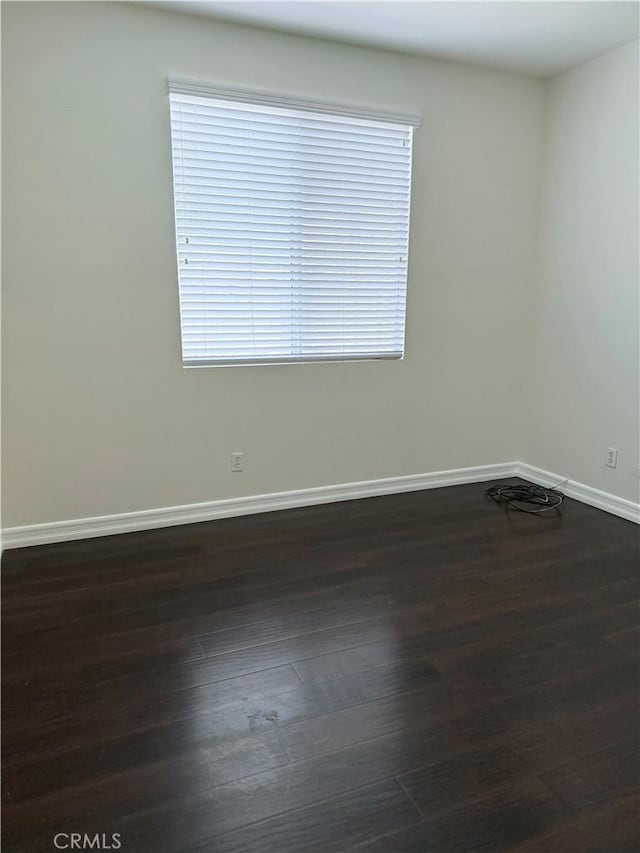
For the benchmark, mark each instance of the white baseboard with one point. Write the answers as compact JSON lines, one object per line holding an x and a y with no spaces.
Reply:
{"x":107,"y":525}
{"x":585,"y":494}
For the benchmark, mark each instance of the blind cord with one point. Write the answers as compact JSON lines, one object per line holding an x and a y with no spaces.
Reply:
{"x":529,"y":498}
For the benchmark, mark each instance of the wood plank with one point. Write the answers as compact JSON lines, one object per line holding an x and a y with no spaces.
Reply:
{"x":325,"y":828}
{"x":593,"y":780}
{"x":628,"y":640}
{"x":614,"y":829}
{"x":533,"y":750}
{"x":500,"y":821}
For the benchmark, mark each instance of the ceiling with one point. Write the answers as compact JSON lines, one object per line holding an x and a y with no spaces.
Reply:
{"x":539,"y":38}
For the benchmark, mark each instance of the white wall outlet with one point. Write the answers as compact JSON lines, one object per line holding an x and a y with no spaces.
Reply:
{"x":237,"y":461}
{"x":612,"y":457}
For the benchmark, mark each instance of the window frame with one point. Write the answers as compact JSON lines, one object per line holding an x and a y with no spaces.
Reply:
{"x":332,"y":110}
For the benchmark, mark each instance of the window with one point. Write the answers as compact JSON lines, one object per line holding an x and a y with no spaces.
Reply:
{"x":292,"y":227}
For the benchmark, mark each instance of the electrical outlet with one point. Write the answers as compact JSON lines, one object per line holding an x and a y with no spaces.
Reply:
{"x":237,"y":461}
{"x":612,"y":457}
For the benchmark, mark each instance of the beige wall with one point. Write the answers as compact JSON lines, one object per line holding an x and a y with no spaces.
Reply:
{"x":99,"y":415}
{"x":585,"y":310}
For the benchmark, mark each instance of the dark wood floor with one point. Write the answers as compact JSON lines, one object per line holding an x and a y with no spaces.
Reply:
{"x":418,"y":672}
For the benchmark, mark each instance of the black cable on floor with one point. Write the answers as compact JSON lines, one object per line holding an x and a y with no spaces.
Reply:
{"x":526,"y":498}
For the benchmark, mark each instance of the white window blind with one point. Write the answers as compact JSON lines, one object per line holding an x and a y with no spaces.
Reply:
{"x":292,"y":228}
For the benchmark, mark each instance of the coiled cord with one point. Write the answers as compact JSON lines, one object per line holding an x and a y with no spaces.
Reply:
{"x":526,"y":498}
